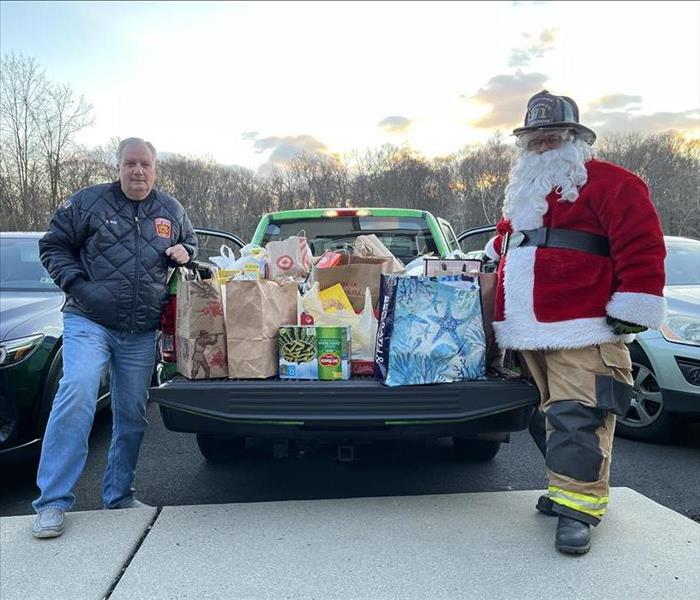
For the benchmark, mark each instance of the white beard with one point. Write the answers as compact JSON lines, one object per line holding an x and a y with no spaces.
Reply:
{"x":534,"y":176}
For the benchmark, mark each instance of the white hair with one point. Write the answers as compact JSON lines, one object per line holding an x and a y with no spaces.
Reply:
{"x":535,"y":175}
{"x":134,"y":140}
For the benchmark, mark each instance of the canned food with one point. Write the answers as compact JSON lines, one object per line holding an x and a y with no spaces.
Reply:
{"x":333,"y":352}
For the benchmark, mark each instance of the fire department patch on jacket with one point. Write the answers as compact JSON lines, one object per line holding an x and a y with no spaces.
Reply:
{"x":163,"y":227}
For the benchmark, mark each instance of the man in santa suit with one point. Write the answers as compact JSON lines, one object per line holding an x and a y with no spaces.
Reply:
{"x":580,"y":270}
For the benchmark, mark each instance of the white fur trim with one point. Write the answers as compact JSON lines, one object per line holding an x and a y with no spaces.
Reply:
{"x":575,"y":333}
{"x":522,"y":331}
{"x":491,"y":251}
{"x":639,"y":308}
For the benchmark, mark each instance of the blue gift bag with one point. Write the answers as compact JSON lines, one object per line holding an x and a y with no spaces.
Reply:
{"x":430,"y":331}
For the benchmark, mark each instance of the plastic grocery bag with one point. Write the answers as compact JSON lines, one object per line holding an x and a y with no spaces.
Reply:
{"x":430,"y":331}
{"x":252,"y":263}
{"x":226,"y":259}
{"x":363,"y":326}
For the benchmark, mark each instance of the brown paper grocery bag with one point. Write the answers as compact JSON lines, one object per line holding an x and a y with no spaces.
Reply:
{"x":200,"y":336}
{"x":355,"y":273}
{"x":487,"y":284}
{"x":289,"y":258}
{"x":255,"y":310}
{"x":372,"y":246}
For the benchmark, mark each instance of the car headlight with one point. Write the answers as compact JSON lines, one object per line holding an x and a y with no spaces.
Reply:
{"x":14,"y":351}
{"x":682,"y":330}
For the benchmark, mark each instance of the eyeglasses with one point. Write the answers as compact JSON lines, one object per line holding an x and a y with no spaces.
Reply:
{"x":552,"y":138}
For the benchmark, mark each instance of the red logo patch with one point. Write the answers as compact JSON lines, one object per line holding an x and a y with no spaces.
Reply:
{"x":285,"y":262}
{"x":329,"y":360}
{"x":163,"y":228}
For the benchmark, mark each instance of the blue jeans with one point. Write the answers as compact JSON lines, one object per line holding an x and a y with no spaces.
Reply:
{"x":88,"y":348}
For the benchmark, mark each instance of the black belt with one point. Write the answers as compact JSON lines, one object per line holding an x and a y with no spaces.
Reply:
{"x":547,"y":237}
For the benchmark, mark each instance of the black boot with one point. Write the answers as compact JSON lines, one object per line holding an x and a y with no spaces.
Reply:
{"x":544,"y":505}
{"x":573,"y":537}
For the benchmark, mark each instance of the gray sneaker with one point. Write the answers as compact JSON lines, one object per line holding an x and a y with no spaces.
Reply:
{"x":48,"y":523}
{"x":132,"y":503}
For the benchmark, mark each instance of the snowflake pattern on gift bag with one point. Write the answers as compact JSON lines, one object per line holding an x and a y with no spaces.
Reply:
{"x":438,"y":334}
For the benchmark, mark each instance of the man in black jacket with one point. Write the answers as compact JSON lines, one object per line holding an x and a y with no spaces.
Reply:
{"x":108,"y":247}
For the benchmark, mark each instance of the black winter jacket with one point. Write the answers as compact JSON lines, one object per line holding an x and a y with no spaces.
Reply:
{"x":110,"y":260}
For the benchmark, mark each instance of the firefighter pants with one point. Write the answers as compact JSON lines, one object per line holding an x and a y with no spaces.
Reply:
{"x":581,"y":391}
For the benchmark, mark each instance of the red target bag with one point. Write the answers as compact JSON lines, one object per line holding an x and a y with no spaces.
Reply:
{"x":289,"y":258}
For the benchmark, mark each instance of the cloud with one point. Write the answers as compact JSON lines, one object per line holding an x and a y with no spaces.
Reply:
{"x":395,"y":124}
{"x":606,"y":122}
{"x":546,"y":41}
{"x":507,"y":95}
{"x":619,"y":113}
{"x":249,"y":135}
{"x":285,"y":149}
{"x":615,"y":101}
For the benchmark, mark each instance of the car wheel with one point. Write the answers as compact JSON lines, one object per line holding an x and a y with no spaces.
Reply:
{"x":475,"y":450}
{"x":220,"y":448}
{"x":646,"y":420}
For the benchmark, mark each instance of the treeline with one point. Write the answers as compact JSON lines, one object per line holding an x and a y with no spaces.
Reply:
{"x":40,"y":165}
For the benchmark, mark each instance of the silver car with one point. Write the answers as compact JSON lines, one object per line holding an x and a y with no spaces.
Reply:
{"x":666,"y":363}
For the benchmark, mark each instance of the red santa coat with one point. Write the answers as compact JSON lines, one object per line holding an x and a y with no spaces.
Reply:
{"x":554,"y":298}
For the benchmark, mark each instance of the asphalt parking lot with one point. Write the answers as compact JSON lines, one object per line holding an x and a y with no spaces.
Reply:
{"x":171,"y":472}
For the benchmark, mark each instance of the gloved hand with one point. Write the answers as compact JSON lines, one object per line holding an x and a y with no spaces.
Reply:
{"x":620,"y":327}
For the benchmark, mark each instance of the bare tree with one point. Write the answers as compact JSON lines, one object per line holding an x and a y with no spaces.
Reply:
{"x":62,"y":117}
{"x":38,"y":124}
{"x":22,"y":96}
{"x":670,"y":165}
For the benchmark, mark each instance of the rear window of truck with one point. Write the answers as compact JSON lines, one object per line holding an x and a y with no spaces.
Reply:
{"x":406,"y":237}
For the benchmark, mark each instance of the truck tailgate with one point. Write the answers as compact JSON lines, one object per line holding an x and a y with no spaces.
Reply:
{"x":298,"y":402}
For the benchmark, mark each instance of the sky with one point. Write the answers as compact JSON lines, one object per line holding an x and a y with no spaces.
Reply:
{"x":255,"y":83}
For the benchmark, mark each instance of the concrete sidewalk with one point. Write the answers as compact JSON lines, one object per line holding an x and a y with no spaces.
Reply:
{"x":486,"y":545}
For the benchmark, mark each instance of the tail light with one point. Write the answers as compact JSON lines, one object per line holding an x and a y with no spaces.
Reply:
{"x":347,"y":212}
{"x":167,"y":325}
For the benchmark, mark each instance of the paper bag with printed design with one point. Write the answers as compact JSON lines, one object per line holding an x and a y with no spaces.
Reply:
{"x":200,"y":332}
{"x":289,"y":258}
{"x":255,"y":310}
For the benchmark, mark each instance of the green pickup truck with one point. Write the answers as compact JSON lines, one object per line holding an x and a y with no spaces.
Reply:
{"x":477,"y":415}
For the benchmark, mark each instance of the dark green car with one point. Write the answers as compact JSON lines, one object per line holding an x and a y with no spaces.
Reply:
{"x":31,"y":330}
